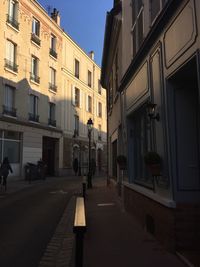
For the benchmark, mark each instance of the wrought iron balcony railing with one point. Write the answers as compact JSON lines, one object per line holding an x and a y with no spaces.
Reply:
{"x":33,"y":117}
{"x":11,"y":20}
{"x":9,"y":111}
{"x":34,"y":78}
{"x":35,"y":39}
{"x":53,"y":53}
{"x":52,"y":122}
{"x":11,"y":65}
{"x":53,"y":87}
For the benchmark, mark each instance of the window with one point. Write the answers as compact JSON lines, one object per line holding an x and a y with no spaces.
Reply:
{"x":12,"y":17}
{"x":77,"y":97}
{"x":52,"y":83}
{"x":33,"y":114}
{"x":89,"y":78}
{"x":155,"y":8}
{"x":99,"y":113}
{"x":137,"y":28}
{"x":52,"y":114}
{"x":35,"y":37}
{"x":9,"y":101}
{"x":116,"y":71}
{"x":52,"y":50}
{"x":89,"y":103}
{"x":35,"y":69}
{"x":99,"y":132}
{"x":76,"y":68}
{"x":99,"y":87}
{"x":10,"y":61}
{"x":10,"y":146}
{"x":142,"y":144}
{"x":76,"y":125}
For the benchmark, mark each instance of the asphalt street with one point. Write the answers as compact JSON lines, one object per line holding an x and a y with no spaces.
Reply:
{"x":28,"y":219}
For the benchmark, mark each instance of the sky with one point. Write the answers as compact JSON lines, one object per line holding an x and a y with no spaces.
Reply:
{"x":84,"y":21}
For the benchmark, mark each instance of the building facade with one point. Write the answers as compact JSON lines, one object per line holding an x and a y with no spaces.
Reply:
{"x":34,"y":97}
{"x":156,"y":107}
{"x":83,"y":98}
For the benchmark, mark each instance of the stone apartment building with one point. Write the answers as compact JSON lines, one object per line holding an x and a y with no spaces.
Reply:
{"x":150,"y":69}
{"x":37,"y":109}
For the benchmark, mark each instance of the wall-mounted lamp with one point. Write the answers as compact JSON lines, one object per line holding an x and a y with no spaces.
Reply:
{"x":151,"y":111}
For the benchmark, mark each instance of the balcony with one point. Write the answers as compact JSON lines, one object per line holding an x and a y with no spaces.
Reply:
{"x":33,"y":117}
{"x":52,"y":52}
{"x":53,"y":87}
{"x":35,"y":39}
{"x":13,"y":22}
{"x":34,"y":78}
{"x":52,"y":122}
{"x":9,"y":111}
{"x":11,"y":65}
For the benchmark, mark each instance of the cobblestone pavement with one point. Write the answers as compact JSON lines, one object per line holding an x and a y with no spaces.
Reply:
{"x":59,"y":252}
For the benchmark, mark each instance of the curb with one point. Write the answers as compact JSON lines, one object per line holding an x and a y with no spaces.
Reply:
{"x":59,"y":251}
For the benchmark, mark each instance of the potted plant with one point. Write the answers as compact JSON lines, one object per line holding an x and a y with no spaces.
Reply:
{"x":153,"y":161}
{"x":121,"y":160}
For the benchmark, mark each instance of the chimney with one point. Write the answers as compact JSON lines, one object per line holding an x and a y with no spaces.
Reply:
{"x":91,"y":55}
{"x":55,"y":16}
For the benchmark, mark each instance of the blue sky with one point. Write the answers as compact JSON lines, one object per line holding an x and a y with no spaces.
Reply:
{"x":84,"y":21}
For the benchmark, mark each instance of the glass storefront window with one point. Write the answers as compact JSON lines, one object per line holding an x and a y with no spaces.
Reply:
{"x":11,"y":135}
{"x":11,"y":149}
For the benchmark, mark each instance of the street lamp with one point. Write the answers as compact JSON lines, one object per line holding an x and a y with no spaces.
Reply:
{"x":89,"y":125}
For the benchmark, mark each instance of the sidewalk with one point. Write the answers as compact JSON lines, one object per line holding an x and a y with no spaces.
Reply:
{"x":114,"y":238}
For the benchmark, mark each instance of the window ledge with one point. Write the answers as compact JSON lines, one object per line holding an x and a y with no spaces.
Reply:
{"x":54,"y":58}
{"x":52,"y":91}
{"x":9,"y":116}
{"x":34,"y":82}
{"x":148,"y":193}
{"x":11,"y":71}
{"x":38,"y":46}
{"x":10,"y":25}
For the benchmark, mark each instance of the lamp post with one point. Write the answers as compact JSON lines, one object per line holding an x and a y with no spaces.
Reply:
{"x":89,"y":125}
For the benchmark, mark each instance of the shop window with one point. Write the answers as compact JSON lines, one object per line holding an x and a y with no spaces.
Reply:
{"x":142,"y":144}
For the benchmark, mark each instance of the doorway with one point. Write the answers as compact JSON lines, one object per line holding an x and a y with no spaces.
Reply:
{"x":48,"y":154}
{"x":186,"y":120}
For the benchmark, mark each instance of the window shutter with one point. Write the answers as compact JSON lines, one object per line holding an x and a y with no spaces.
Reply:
{"x":97,"y":107}
{"x":87,"y":108}
{"x":73,"y":95}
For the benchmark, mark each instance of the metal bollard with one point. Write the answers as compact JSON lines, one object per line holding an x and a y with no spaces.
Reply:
{"x":79,"y":229}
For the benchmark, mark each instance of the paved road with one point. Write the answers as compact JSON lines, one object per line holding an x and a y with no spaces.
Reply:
{"x":28,"y":219}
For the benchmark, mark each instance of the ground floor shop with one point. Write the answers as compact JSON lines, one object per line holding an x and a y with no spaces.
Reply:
{"x":23,"y":144}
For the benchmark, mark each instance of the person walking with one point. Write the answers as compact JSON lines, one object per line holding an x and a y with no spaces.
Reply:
{"x":4,"y":170}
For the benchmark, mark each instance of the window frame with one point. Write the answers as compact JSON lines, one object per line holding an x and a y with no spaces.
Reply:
{"x":9,"y":101}
{"x":77,"y":68}
{"x":34,"y":74}
{"x":137,"y":12}
{"x":89,"y":78}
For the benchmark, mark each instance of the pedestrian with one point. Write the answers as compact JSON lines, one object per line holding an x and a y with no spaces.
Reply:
{"x":75,"y":165}
{"x":4,"y":170}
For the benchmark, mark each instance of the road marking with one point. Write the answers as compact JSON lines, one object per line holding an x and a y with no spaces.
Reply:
{"x":105,"y":204}
{"x":59,"y":192}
